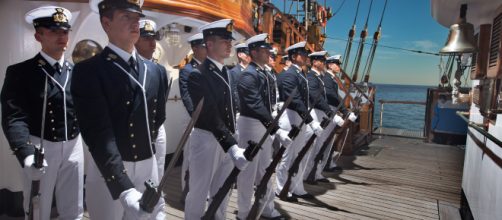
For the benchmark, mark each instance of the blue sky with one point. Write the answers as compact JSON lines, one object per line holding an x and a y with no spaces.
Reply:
{"x":407,"y":24}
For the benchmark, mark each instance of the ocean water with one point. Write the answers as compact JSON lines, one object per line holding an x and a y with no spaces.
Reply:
{"x":405,"y":116}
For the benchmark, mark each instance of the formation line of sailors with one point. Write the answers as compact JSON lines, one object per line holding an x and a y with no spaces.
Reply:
{"x":115,"y":102}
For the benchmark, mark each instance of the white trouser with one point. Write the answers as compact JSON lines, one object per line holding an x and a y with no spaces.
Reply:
{"x":317,"y":147}
{"x":160,"y":151}
{"x":64,"y":177}
{"x":209,"y":167}
{"x":252,"y":129}
{"x":100,"y":203}
{"x":287,"y":119}
{"x":297,"y":184}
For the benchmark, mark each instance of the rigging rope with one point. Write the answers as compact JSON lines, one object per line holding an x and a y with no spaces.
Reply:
{"x":360,"y":48}
{"x":392,"y":47}
{"x":352,"y":31}
{"x":376,"y":37}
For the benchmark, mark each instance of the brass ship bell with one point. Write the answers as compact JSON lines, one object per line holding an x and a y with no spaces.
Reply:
{"x":461,"y":36}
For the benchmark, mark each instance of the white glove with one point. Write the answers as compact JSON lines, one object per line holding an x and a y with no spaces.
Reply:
{"x":237,"y":155}
{"x":130,"y":201}
{"x":338,"y":120}
{"x":31,"y":172}
{"x":274,"y":114}
{"x":316,"y":127}
{"x":352,"y":117}
{"x":283,"y":137}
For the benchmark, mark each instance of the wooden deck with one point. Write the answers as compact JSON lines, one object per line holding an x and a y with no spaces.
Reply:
{"x":399,"y":132}
{"x":393,"y":178}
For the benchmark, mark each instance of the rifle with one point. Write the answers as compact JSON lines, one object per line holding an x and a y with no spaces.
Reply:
{"x":296,"y":163}
{"x":261,"y":189}
{"x":320,"y":154}
{"x":152,"y":193}
{"x":250,"y":153}
{"x":34,"y":205}
{"x":356,"y":86}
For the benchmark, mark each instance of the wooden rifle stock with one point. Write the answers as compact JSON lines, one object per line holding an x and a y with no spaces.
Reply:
{"x":34,"y":206}
{"x":293,"y":170}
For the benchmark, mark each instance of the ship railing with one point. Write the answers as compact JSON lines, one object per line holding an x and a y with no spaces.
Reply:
{"x":381,"y":130}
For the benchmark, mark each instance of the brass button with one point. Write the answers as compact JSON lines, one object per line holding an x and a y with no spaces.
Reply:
{"x":128,"y":103}
{"x":131,"y":124}
{"x":52,"y":120}
{"x":134,"y":146}
{"x":132,"y":135}
{"x":74,"y":127}
{"x":153,"y":121}
{"x":55,"y":137}
{"x":50,"y":112}
{"x":49,"y":103}
{"x":73,"y":135}
{"x":154,"y":111}
{"x":75,"y":119}
{"x":53,"y":129}
{"x":135,"y":156}
{"x":155,"y":100}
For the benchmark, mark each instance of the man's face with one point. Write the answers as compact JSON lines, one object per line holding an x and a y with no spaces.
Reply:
{"x":271,"y":61}
{"x":52,"y":40}
{"x":319,"y":64}
{"x":288,"y":63}
{"x":219,"y":47}
{"x":261,"y":55}
{"x":199,"y":51}
{"x":300,"y":59}
{"x":245,"y":58}
{"x":146,"y":46}
{"x":123,"y":28}
{"x":335,"y":68}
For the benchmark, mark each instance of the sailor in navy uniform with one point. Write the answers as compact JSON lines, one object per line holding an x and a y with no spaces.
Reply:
{"x":120,"y":102}
{"x":256,"y":96}
{"x":199,"y":55}
{"x":146,"y":46}
{"x":321,"y":108}
{"x":37,"y":110}
{"x":214,"y":131}
{"x":334,"y":98}
{"x":294,"y":114}
{"x":242,"y":51}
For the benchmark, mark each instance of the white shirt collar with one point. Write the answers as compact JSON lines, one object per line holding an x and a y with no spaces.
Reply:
{"x":218,"y":64}
{"x":51,"y":60}
{"x":122,"y":53}
{"x":196,"y":60}
{"x":315,"y":71}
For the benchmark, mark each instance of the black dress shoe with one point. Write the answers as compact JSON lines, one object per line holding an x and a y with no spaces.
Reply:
{"x":280,"y":217}
{"x":323,"y":180}
{"x":288,"y":199}
{"x":310,"y":182}
{"x":304,"y":196}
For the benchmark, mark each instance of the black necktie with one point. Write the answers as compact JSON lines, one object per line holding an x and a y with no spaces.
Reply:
{"x":58,"y":76}
{"x":132,"y":64}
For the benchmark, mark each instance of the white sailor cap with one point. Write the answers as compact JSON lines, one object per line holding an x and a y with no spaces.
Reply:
{"x":196,"y":39}
{"x":147,"y":28}
{"x":52,"y":17}
{"x":101,"y":6}
{"x":222,"y":28}
{"x":334,"y":59}
{"x":259,"y":41}
{"x":318,"y":55}
{"x":285,"y":57}
{"x":242,"y":48}
{"x":298,"y":48}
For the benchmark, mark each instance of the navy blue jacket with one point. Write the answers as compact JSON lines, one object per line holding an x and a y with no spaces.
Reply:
{"x":287,"y":82}
{"x":236,"y":73}
{"x":317,"y":93}
{"x":219,"y":110}
{"x":255,"y":94}
{"x":183,"y":83}
{"x":332,"y":93}
{"x":22,"y":102}
{"x":111,"y":109}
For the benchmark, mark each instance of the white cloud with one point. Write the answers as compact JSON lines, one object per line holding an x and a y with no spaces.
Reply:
{"x":425,"y":45}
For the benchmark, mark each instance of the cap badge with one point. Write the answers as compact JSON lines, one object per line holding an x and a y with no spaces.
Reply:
{"x":59,"y":16}
{"x":136,"y":2}
{"x":230,"y":27}
{"x":41,"y":62}
{"x":148,"y":26}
